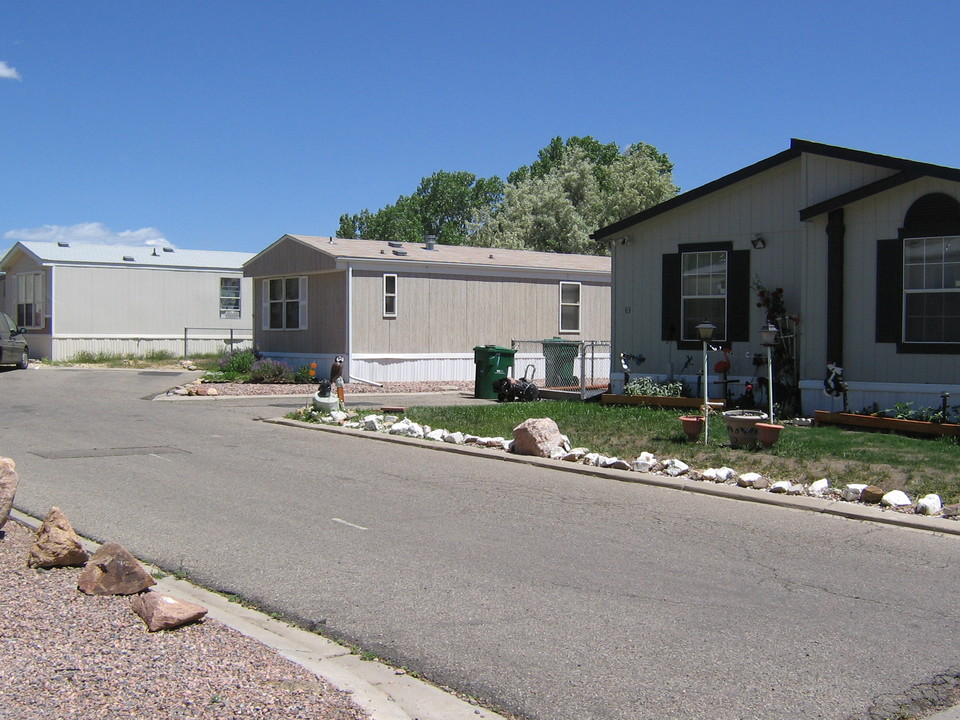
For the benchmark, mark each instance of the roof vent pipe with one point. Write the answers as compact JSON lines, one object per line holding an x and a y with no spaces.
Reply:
{"x":431,"y":242}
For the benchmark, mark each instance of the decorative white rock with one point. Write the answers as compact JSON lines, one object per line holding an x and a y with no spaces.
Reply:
{"x":819,"y":487}
{"x":895,"y":498}
{"x":782,"y":486}
{"x":675,"y":468}
{"x":436,"y":434}
{"x":929,"y":504}
{"x":455,"y":437}
{"x":644,"y":462}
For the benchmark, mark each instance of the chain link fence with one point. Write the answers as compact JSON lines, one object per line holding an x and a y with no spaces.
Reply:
{"x":564,"y":368}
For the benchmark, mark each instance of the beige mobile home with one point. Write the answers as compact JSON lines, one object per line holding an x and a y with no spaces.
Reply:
{"x":79,"y":297}
{"x":415,"y":312}
{"x":865,"y":247}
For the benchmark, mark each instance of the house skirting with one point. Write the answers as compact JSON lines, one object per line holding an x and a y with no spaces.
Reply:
{"x":422,"y":367}
{"x":862,"y":395}
{"x":67,"y":347}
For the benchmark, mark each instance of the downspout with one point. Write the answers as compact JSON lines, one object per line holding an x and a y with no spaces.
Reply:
{"x":348,"y":317}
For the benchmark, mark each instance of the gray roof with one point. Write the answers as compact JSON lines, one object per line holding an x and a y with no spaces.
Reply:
{"x":460,"y":255}
{"x":140,"y":255}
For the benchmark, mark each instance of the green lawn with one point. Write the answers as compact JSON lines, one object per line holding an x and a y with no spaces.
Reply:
{"x":803,"y":454}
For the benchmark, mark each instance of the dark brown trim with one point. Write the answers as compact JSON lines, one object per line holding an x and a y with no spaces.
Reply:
{"x":861,"y":193}
{"x":836,"y":230}
{"x":797,"y":148}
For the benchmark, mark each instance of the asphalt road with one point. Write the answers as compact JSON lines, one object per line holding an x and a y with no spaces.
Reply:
{"x":549,"y":594}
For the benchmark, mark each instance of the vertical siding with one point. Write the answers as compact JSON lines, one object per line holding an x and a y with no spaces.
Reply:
{"x":877,"y":218}
{"x":326,"y":318}
{"x":768,"y":205}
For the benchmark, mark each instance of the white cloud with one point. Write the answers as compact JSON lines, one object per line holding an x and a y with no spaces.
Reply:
{"x":8,"y":72}
{"x":93,"y":233}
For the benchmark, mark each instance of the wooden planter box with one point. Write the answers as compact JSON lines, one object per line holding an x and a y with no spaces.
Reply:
{"x":872,"y":422}
{"x":656,"y":401}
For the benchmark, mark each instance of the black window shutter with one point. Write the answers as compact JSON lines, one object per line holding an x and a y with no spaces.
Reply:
{"x":889,"y":318}
{"x":670,"y":298}
{"x":739,"y":294}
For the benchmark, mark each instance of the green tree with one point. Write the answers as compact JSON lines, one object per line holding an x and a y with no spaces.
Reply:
{"x":441,"y":206}
{"x":574,"y":188}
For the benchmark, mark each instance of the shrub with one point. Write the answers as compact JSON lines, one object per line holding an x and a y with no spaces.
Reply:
{"x":270,"y":371}
{"x":239,"y":362}
{"x":653,"y":388}
{"x":303,"y":376}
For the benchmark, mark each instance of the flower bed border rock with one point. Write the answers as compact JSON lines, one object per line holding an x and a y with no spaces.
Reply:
{"x":854,"y":493}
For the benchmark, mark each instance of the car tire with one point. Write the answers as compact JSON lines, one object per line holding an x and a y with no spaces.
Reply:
{"x":24,"y":360}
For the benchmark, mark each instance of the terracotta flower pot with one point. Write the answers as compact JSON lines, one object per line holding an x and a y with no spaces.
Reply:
{"x":692,"y":426}
{"x":768,"y":434}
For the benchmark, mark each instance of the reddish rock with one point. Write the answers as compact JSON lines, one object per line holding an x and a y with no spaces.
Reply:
{"x":162,"y":612}
{"x":113,"y":571}
{"x":8,"y":487}
{"x":536,"y":436}
{"x":56,"y":544}
{"x":872,"y":494}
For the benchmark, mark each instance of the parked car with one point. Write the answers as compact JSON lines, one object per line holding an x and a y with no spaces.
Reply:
{"x":13,"y":345}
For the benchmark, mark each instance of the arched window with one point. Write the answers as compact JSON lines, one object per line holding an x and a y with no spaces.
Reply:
{"x":931,"y":270}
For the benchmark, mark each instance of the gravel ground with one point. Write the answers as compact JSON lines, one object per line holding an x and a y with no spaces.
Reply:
{"x":393,"y":388}
{"x":67,"y":655}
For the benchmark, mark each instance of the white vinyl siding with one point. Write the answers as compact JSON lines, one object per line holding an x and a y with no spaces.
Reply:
{"x":569,"y":307}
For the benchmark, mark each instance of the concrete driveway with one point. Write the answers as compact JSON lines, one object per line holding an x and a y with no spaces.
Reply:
{"x":552,"y":595}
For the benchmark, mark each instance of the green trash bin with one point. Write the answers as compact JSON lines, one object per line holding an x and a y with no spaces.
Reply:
{"x":559,"y":356}
{"x":492,"y":363}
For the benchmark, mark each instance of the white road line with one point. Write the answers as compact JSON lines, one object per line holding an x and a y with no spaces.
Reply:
{"x":349,"y":524}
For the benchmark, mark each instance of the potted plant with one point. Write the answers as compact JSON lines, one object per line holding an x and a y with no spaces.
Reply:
{"x":768,"y":434}
{"x":742,"y":426}
{"x":692,"y":426}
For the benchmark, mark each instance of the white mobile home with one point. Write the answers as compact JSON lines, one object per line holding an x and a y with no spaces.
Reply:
{"x":866,"y":250}
{"x":413,"y":312}
{"x":78,"y":297}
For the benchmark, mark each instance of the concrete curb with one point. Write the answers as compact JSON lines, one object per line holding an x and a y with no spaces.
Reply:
{"x":840,"y":508}
{"x":378,"y":688}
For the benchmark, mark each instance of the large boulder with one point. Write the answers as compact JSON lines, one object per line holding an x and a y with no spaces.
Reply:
{"x":112,"y":570}
{"x":8,"y":487}
{"x":162,"y":612}
{"x":537,"y":436}
{"x":56,"y":544}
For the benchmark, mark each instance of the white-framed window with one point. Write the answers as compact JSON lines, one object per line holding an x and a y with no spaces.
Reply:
{"x":569,"y":307}
{"x":229,"y":298}
{"x":931,"y":290}
{"x":285,"y":303}
{"x":703,"y":292}
{"x":30,"y":300}
{"x":389,"y":295}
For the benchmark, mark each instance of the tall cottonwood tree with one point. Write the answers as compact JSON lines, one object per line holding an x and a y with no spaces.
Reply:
{"x":573,"y":188}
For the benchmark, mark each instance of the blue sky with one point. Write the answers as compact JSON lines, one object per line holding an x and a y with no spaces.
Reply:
{"x":223,"y":125}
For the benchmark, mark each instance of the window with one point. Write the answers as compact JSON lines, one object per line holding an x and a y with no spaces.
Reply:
{"x":389,"y":295}
{"x":30,"y":300}
{"x":229,"y":298}
{"x":569,"y":307}
{"x":703,"y":292}
{"x":931,"y":290}
{"x":706,"y":281}
{"x":918,"y":279}
{"x":285,"y":303}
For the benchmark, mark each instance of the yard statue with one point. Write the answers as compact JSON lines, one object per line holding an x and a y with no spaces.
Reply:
{"x":834,"y":386}
{"x":336,"y":379}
